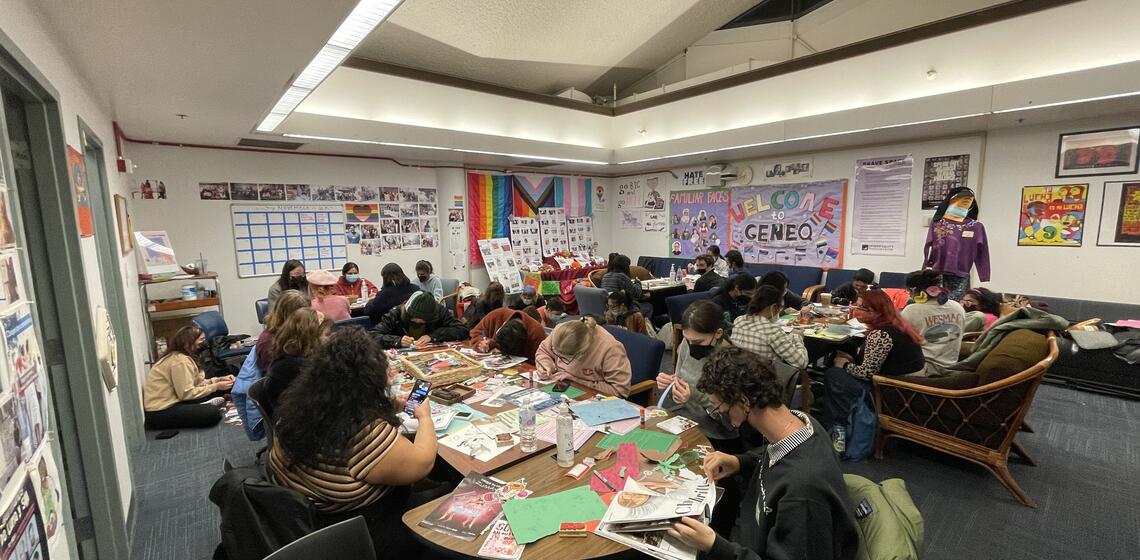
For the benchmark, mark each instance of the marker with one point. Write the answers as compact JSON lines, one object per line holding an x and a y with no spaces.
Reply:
{"x":604,"y":481}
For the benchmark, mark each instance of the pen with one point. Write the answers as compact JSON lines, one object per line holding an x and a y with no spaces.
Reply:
{"x":604,"y":481}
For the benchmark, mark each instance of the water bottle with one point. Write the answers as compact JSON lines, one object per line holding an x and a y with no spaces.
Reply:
{"x":672,"y":273}
{"x":526,"y":429}
{"x":565,"y":435}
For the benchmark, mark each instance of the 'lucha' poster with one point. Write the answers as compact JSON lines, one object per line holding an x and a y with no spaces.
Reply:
{"x":698,"y":219}
{"x":798,"y":224}
{"x":1053,"y":215}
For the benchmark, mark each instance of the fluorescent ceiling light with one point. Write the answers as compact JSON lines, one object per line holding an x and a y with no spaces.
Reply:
{"x":542,"y":158}
{"x":360,"y":22}
{"x":943,"y":119}
{"x":1059,"y":103}
{"x":443,"y":148}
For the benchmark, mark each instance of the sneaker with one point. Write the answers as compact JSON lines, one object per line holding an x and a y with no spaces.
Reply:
{"x":838,"y":440}
{"x":216,"y":401}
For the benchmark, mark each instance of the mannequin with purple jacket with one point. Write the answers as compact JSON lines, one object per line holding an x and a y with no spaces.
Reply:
{"x":957,"y":242}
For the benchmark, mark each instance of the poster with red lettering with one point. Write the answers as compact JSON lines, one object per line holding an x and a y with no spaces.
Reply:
{"x":799,"y":224}
{"x":697,"y":220}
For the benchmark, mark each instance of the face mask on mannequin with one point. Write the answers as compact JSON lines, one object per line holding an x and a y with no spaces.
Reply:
{"x":957,"y":212}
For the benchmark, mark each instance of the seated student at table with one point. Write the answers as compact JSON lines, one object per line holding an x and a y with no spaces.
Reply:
{"x":292,"y":278}
{"x":337,"y":442}
{"x":528,"y":298}
{"x":262,"y":355}
{"x":427,"y":281}
{"x":734,"y":296}
{"x":937,"y":319}
{"x":759,"y":331}
{"x":792,"y":301}
{"x":850,"y":292}
{"x":176,"y":393}
{"x":720,"y":266}
{"x":395,"y":290}
{"x":796,"y":504}
{"x":982,"y":308}
{"x":709,"y":279}
{"x":419,"y":321}
{"x":491,"y":299}
{"x":617,"y":277}
{"x":325,"y":300}
{"x":509,"y":331}
{"x":735,"y":262}
{"x":299,"y":337}
{"x":891,"y":346}
{"x":552,"y":313}
{"x":287,"y":303}
{"x":621,"y":311}
{"x":585,"y":353}
{"x":352,"y":285}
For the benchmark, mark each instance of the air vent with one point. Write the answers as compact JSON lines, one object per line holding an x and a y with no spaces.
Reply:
{"x":274,"y":144}
{"x":538,"y":164}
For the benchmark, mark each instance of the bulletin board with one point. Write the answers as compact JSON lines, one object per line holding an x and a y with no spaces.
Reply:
{"x":267,"y":235}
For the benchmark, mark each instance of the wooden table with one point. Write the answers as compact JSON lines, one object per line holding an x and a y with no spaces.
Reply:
{"x":543,"y":477}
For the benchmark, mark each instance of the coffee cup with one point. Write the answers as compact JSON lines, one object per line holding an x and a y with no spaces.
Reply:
{"x":825,"y":299}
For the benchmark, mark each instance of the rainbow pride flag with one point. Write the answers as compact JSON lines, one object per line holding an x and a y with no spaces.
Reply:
{"x":490,"y":200}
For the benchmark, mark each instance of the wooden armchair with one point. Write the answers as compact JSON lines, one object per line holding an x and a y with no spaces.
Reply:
{"x":977,"y":424}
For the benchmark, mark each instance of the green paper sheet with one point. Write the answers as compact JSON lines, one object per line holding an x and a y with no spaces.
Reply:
{"x":539,"y":516}
{"x":645,"y":439}
{"x":571,"y":392}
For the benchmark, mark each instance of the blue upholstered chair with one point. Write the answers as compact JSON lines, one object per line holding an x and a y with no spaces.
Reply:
{"x":450,"y":286}
{"x":363,"y":322}
{"x":591,"y":301}
{"x":218,"y":335}
{"x":644,"y":353}
{"x":261,"y":306}
{"x":892,"y":279}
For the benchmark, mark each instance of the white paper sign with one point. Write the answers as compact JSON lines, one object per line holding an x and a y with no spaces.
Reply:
{"x":882,"y":201}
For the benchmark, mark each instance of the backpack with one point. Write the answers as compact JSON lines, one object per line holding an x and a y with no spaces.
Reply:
{"x":861,"y":430}
{"x":890,"y":526}
{"x":258,"y":516}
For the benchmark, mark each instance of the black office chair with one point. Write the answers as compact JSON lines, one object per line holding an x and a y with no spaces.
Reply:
{"x":363,"y":322}
{"x":218,"y":336}
{"x":256,"y":393}
{"x":346,"y":540}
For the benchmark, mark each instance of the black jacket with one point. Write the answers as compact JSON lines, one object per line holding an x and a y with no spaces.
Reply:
{"x":388,"y":298}
{"x":443,"y":328}
{"x":845,"y":294}
{"x":281,"y":373}
{"x":708,"y":281}
{"x":258,"y":517}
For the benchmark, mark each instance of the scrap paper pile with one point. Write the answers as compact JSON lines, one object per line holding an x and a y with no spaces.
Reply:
{"x":480,"y":438}
{"x":473,"y":506}
{"x":641,"y":513}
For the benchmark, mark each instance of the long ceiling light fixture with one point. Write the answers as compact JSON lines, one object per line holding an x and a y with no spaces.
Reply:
{"x":1071,"y":102}
{"x":445,"y":149}
{"x":360,"y":22}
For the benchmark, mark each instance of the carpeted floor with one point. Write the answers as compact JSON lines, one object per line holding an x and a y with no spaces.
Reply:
{"x":1086,"y":487}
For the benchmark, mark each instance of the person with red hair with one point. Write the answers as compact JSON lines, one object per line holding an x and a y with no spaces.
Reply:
{"x":891,"y":347}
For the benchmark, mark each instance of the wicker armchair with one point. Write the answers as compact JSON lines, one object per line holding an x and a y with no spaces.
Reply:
{"x":977,"y":424}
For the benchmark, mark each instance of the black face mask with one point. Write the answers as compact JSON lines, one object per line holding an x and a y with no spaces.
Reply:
{"x":423,"y":278}
{"x":298,"y":283}
{"x":742,"y":300}
{"x":969,"y":306}
{"x":700,"y":351}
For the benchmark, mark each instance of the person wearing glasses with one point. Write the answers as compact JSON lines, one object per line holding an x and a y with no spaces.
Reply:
{"x":587,"y":354}
{"x":796,"y":503}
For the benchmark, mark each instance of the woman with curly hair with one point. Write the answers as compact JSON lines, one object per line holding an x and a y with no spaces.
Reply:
{"x":295,"y":341}
{"x":341,"y":448}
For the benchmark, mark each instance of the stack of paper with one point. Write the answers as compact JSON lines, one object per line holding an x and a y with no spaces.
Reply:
{"x":639,"y":516}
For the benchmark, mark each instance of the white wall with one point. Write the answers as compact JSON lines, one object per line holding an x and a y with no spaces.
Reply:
{"x":204,"y":226}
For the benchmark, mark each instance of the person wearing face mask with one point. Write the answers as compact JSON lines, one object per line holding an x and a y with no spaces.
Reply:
{"x":352,"y":285}
{"x":324,"y":299}
{"x":620,"y":312}
{"x":733,"y":298}
{"x":796,"y":504}
{"x":982,"y":307}
{"x":418,"y":322}
{"x":176,"y":393}
{"x":709,"y":279}
{"x":552,"y":313}
{"x":292,"y":278}
{"x":427,"y":281}
{"x":956,"y":242}
{"x":528,"y":298}
{"x":759,"y":331}
{"x":702,"y":325}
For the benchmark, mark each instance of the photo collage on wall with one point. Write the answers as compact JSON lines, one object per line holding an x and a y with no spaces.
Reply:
{"x":581,"y":234}
{"x":526,"y":241}
{"x":278,"y":192}
{"x":502,"y":266}
{"x":554,"y":232}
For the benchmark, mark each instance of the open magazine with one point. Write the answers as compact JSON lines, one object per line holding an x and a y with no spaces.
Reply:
{"x":640,"y":514}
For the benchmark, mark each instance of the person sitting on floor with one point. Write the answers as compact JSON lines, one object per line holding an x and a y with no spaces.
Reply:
{"x":792,"y":301}
{"x":937,"y":319}
{"x":299,"y":337}
{"x":552,"y":313}
{"x":427,"y":281}
{"x":585,"y":353}
{"x":395,"y":290}
{"x":892,"y":346}
{"x":338,"y":442}
{"x":617,"y":278}
{"x":491,"y":299}
{"x":351,"y":285}
{"x":292,"y":278}
{"x":176,"y":393}
{"x":509,"y":331}
{"x":325,"y":300}
{"x":709,"y":279}
{"x":796,"y":504}
{"x":982,"y":308}
{"x":735,"y":262}
{"x":850,"y":292}
{"x":528,"y":298}
{"x":759,"y":331}
{"x":418,"y":322}
{"x":621,"y":312}
{"x":734,"y":296}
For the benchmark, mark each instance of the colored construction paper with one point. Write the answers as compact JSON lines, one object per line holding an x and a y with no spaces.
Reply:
{"x":570,"y":392}
{"x":594,"y":413}
{"x":645,"y":439}
{"x":539,"y":516}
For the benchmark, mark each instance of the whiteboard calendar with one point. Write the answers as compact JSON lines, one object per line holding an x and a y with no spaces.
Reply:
{"x":267,"y":235}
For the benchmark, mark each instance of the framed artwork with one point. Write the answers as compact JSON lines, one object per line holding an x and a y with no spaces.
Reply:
{"x":124,"y":225}
{"x":1098,"y":152}
{"x":1120,"y":215}
{"x":1052,"y":215}
{"x":156,"y":254}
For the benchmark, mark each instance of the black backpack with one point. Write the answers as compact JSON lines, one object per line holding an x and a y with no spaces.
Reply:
{"x":258,"y":516}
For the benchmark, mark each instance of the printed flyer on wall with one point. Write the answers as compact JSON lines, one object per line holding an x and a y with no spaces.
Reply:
{"x":882,"y":199}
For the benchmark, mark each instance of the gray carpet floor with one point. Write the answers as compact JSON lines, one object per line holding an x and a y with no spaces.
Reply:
{"x":1086,"y":487}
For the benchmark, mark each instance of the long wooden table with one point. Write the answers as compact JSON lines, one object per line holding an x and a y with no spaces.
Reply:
{"x":543,"y":477}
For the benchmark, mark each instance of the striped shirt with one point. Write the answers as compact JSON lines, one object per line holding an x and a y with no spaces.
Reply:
{"x":780,"y":449}
{"x":338,"y":485}
{"x":766,"y":339}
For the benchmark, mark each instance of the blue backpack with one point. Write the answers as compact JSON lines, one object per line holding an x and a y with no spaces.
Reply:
{"x":862,"y":427}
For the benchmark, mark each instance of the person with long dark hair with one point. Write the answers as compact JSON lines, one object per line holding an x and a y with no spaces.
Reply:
{"x":292,"y":278}
{"x":352,"y":285}
{"x":937,"y":318}
{"x":982,"y":308}
{"x":491,"y":299}
{"x":702,"y":326}
{"x":176,"y":393}
{"x":338,"y":443}
{"x":617,"y":278}
{"x":395,"y":290}
{"x":427,"y":281}
{"x":509,"y":331}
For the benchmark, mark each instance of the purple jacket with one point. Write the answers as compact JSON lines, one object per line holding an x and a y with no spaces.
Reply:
{"x":954,"y":247}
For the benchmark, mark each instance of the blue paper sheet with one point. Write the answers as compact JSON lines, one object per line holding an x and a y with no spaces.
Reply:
{"x":457,"y":425}
{"x":602,"y":412}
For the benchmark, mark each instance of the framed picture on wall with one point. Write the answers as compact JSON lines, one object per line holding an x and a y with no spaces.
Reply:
{"x":123,"y":222}
{"x":1098,"y":152}
{"x":1120,"y":215}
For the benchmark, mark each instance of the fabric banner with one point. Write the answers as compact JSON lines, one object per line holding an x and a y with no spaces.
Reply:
{"x":1053,"y":215}
{"x":882,"y":201}
{"x":490,"y":206}
{"x":697,"y":219}
{"x":574,"y":194}
{"x":798,"y":224}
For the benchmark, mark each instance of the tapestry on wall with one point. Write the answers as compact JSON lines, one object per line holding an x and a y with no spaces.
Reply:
{"x":697,"y":219}
{"x":494,"y":199}
{"x":798,"y":224}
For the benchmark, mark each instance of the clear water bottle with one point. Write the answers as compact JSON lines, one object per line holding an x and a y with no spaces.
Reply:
{"x":565,"y":435}
{"x":672,"y":273}
{"x":526,"y":429}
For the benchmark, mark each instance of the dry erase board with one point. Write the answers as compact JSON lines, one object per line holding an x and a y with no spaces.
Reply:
{"x":267,"y":235}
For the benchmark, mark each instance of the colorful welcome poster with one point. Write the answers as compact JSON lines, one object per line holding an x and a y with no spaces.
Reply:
{"x":697,"y":220}
{"x":798,"y":224}
{"x":1053,"y":215}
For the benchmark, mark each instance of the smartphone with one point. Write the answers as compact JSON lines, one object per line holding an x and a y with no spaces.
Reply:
{"x":463,"y":415}
{"x":417,"y":396}
{"x":561,"y":386}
